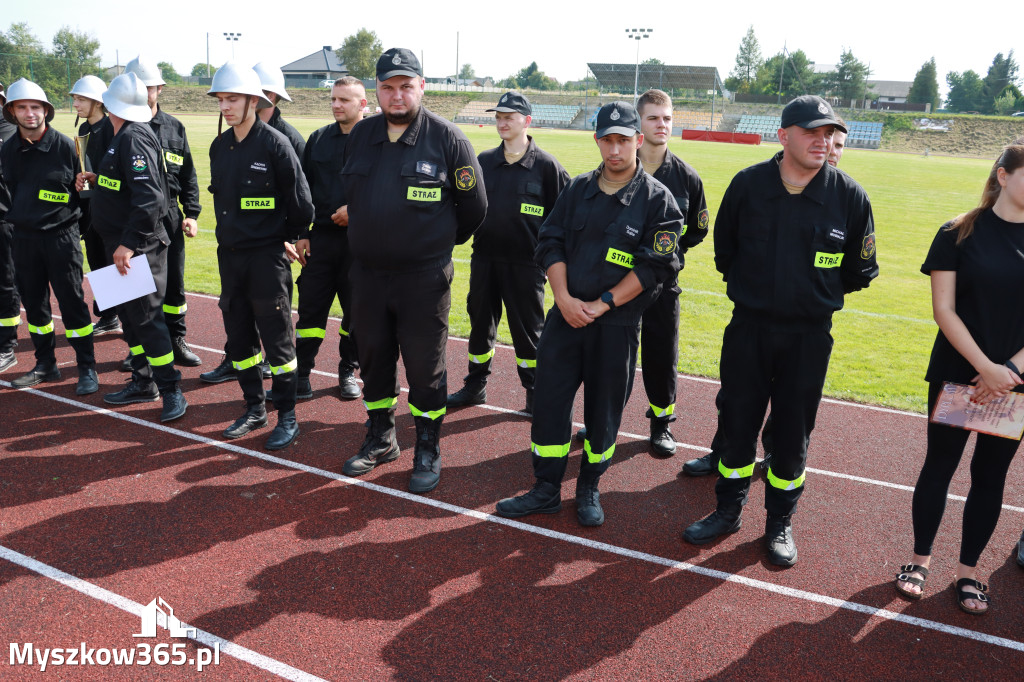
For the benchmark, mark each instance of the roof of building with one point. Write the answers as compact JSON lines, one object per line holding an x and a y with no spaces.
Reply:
{"x":324,"y":59}
{"x":889,"y":88}
{"x":664,"y":76}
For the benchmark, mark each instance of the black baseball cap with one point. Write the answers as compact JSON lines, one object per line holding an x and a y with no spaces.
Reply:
{"x":810,"y":111}
{"x":398,"y":61}
{"x":618,"y":118}
{"x":513,"y":102}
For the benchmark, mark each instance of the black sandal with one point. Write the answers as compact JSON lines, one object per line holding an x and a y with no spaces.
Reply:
{"x":906,"y":577}
{"x":963,"y":595}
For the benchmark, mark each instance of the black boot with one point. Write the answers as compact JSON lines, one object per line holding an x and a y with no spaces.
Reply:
{"x":174,"y":405}
{"x":778,"y":537}
{"x":87,"y":381}
{"x":285,"y":433}
{"x":470,"y":394}
{"x":379,"y":447}
{"x":37,"y":375}
{"x":710,"y":528}
{"x":426,"y":464}
{"x":663,"y":445}
{"x":347,"y":386}
{"x":183,"y":355}
{"x":225,"y":371}
{"x":588,"y":501}
{"x":255,"y":417}
{"x":136,"y":391}
{"x":7,"y":360}
{"x":702,"y":466}
{"x":542,"y":498}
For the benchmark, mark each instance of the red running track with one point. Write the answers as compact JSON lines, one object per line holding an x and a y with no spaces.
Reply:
{"x":293,"y":570}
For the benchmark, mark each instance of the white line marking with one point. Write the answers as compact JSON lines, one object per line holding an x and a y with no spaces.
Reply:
{"x":113,"y":599}
{"x":557,"y":535}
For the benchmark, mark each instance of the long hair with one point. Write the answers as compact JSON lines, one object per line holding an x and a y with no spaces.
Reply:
{"x":1010,"y":160}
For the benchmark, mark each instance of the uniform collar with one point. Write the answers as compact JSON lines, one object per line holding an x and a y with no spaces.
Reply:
{"x":159,"y":118}
{"x":409,"y":136}
{"x":624,"y":195}
{"x":815,"y":189}
{"x":526,"y":161}
{"x":44,"y":143}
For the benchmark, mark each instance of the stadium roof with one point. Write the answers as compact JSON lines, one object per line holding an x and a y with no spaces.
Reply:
{"x":619,"y":77}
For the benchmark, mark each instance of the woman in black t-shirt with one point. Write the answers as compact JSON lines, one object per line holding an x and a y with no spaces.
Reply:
{"x":976,"y":264}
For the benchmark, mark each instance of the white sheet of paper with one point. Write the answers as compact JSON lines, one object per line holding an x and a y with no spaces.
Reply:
{"x":110,"y":288}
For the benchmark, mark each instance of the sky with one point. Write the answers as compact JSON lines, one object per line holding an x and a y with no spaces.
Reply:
{"x":894,"y":38}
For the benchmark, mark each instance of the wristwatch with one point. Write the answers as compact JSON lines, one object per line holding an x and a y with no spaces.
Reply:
{"x":608,"y":299}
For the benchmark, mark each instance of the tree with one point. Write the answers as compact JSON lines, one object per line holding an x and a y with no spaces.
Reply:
{"x":925,"y":88}
{"x":850,"y":77}
{"x":80,"y":49}
{"x":653,"y":61}
{"x":1005,"y":104}
{"x":748,"y":63}
{"x":200,"y":70}
{"x":167,"y":71}
{"x":467,"y":72}
{"x":360,"y":52}
{"x":797,"y":75}
{"x":532,"y":77}
{"x":1001,"y":73}
{"x":965,"y":91}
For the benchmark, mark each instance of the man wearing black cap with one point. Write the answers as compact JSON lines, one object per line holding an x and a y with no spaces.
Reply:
{"x":793,"y":236}
{"x":414,"y":191}
{"x":608,"y":244}
{"x":522,"y":184}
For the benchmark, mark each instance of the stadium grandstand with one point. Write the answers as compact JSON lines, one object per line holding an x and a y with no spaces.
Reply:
{"x":863,"y":134}
{"x":544,"y":115}
{"x":696,"y":81}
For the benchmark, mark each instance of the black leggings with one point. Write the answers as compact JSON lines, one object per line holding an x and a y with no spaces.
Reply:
{"x":989,"y":464}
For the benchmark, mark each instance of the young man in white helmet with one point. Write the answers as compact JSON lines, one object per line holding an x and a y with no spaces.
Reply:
{"x":261,"y":200}
{"x":183,"y":188}
{"x":129,"y":207}
{"x":272,"y":81}
{"x":39,"y":169}
{"x":10,"y":304}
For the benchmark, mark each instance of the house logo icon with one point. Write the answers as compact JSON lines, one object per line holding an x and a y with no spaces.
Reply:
{"x":159,"y":612}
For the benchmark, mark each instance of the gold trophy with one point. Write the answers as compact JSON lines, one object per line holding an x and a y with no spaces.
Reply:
{"x":81,"y":144}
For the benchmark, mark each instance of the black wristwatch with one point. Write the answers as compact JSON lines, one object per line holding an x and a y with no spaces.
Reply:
{"x":608,"y":299}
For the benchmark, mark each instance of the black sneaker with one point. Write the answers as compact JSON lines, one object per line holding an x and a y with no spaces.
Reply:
{"x":470,"y":394}
{"x":134,"y":392}
{"x":542,"y":498}
{"x":174,"y":406}
{"x":107,"y":325}
{"x":778,"y":537}
{"x":183,"y":355}
{"x":225,"y":371}
{"x":7,"y":360}
{"x":37,"y":375}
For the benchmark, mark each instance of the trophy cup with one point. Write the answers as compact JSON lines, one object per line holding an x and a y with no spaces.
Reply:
{"x":81,"y":144}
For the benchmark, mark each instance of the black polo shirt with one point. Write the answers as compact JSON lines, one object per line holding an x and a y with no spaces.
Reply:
{"x":411,"y":201}
{"x":322,"y":162}
{"x":260,"y":195}
{"x":794,"y":256}
{"x":288,"y":130}
{"x":602,"y":237}
{"x":182,"y":184}
{"x":519,"y":196}
{"x":41,"y":180}
{"x":686,"y":186}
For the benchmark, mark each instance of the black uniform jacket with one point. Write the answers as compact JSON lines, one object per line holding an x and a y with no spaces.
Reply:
{"x":686,"y":186}
{"x":260,"y":195}
{"x":100,"y":134}
{"x":8,"y":131}
{"x":41,"y":180}
{"x":322,"y":162}
{"x":411,"y":201}
{"x":519,"y":196}
{"x":182,"y":184}
{"x":793,"y":256}
{"x":601,"y":238}
{"x":129,"y":202}
{"x":288,"y":130}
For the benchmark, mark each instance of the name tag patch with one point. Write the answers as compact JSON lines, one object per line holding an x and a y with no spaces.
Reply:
{"x":171,"y":157}
{"x":836,"y":233}
{"x":424,"y":194}
{"x":531,"y":209}
{"x":620,"y":258}
{"x":249,"y":204}
{"x":258,"y":166}
{"x":426,"y":168}
{"x":109,"y":183}
{"x":55,"y":197}
{"x":632,"y":231}
{"x":827,"y":260}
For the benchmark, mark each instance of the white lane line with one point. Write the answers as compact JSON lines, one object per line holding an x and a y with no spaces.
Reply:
{"x":557,"y":535}
{"x":113,"y":599}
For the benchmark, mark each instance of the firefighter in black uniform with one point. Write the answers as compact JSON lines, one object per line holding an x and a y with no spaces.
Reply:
{"x":10,"y":304}
{"x":261,"y":200}
{"x":129,"y":205}
{"x":522,"y":184}
{"x":39,"y":169}
{"x":793,"y":236}
{"x":414,"y":191}
{"x":324,"y":252}
{"x":607,"y":246}
{"x":87,"y":100}
{"x":183,"y":187}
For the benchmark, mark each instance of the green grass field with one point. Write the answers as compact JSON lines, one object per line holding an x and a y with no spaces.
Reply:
{"x":883,"y":336}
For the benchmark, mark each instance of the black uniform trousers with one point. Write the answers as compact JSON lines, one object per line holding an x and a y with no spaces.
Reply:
{"x":325,"y":275}
{"x":10,"y":304}
{"x":53,"y":258}
{"x":142,"y":321}
{"x":255,"y":301}
{"x":603,"y":359}
{"x":521,"y":288}
{"x":403,"y":312}
{"x":762,"y":361}
{"x":174,"y":304}
{"x":767,"y":441}
{"x":659,"y":352}
{"x":95,"y":251}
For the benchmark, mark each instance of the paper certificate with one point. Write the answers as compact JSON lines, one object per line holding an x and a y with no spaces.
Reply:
{"x":110,"y":288}
{"x":1000,"y":417}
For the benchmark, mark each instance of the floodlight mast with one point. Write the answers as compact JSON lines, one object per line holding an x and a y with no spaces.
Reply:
{"x":232,"y":38}
{"x":637,"y":33}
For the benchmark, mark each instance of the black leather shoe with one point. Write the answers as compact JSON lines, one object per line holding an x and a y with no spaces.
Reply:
{"x":87,"y":382}
{"x":183,"y":355}
{"x":588,"y":503}
{"x":542,"y":498}
{"x":379,"y":447}
{"x":285,"y":433}
{"x":1020,"y":551}
{"x":348,"y":387}
{"x":225,"y":371}
{"x":702,"y":466}
{"x":778,"y":537}
{"x":255,"y":417}
{"x":663,"y":445}
{"x":7,"y":360}
{"x":470,"y":394}
{"x":37,"y":375}
{"x":174,"y":406}
{"x":265,"y":370}
{"x":528,"y":408}
{"x":107,"y":325}
{"x":134,"y":392}
{"x":426,"y":463}
{"x":713,"y":526}
{"x":581,"y":435}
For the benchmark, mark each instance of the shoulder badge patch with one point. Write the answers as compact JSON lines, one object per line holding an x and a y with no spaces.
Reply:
{"x":465,"y":178}
{"x":139,"y":163}
{"x":664,"y":242}
{"x":702,"y":220}
{"x":867,"y":249}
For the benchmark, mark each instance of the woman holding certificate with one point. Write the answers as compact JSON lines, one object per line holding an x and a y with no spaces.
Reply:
{"x":976,"y":264}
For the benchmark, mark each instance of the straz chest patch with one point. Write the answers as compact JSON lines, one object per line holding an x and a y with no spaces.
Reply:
{"x":424,"y":194}
{"x":176,"y":159}
{"x":465,"y":178}
{"x":619,"y":258}
{"x":258,"y":204}
{"x":531,"y":209}
{"x":664,"y":242}
{"x":827,"y":260}
{"x":139,"y":164}
{"x":867,"y":248}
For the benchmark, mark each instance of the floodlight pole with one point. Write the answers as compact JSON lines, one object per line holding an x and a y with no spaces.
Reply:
{"x":231,"y":38}
{"x":637,"y":34}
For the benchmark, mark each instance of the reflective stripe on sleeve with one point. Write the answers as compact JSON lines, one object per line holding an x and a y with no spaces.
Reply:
{"x":175,"y":309}
{"x":550,"y":450}
{"x":45,"y":329}
{"x":248,"y":362}
{"x":433,"y":414}
{"x":783,"y":484}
